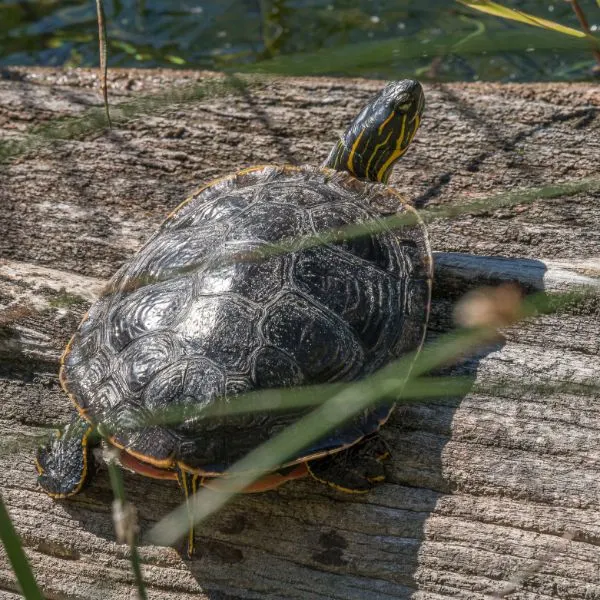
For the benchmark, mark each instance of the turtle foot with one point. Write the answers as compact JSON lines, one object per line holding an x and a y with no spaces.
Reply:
{"x":355,"y":470}
{"x":65,"y":463}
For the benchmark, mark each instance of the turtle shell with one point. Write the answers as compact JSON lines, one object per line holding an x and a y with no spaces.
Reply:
{"x":207,"y":310}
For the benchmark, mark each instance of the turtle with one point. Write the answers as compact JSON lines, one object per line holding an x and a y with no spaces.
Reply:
{"x":205,"y":312}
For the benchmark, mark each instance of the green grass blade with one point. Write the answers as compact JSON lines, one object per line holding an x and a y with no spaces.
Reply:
{"x":393,"y":381}
{"x":116,"y":481}
{"x":354,"y":231}
{"x":497,"y":10}
{"x":315,"y":425}
{"x":384,"y":224}
{"x":480,"y":29}
{"x":94,"y":120}
{"x":103,"y":57}
{"x":524,"y":196}
{"x":379,"y":54}
{"x":16,"y":556}
{"x":288,"y":399}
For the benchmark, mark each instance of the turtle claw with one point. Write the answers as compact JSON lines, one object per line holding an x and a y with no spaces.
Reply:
{"x":355,"y":470}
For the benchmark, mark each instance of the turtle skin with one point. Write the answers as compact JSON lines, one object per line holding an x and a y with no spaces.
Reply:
{"x":209,"y":309}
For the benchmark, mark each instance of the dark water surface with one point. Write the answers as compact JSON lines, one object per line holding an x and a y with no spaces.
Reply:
{"x":430,"y":39}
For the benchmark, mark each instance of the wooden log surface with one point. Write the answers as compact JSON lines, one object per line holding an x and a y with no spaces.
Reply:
{"x":497,"y":491}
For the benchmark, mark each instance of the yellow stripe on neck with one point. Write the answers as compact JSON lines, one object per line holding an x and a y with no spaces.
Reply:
{"x":396,"y":154}
{"x":382,"y":126}
{"x":374,"y":153}
{"x":353,"y":153}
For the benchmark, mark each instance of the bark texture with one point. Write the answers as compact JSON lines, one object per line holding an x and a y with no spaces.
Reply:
{"x":495,"y":492}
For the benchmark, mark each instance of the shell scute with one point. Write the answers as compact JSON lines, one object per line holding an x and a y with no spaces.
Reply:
{"x":128,"y":426}
{"x":95,"y":315}
{"x":269,"y":222}
{"x":143,"y":358}
{"x":185,"y":388}
{"x":238,"y":385}
{"x":156,"y":443}
{"x":374,"y":249}
{"x":322,"y":346}
{"x":221,"y":208}
{"x":84,"y":376}
{"x":362,"y":296}
{"x":148,"y":310}
{"x":172,"y":254}
{"x":273,"y":368}
{"x":100,"y":400}
{"x":297,"y":194}
{"x":222,"y":328}
{"x":237,"y":269}
{"x":86,"y":344}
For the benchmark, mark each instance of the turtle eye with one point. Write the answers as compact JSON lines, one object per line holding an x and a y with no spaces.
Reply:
{"x":404,"y":107}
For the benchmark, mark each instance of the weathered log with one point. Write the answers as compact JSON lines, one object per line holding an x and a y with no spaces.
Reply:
{"x":481,"y":489}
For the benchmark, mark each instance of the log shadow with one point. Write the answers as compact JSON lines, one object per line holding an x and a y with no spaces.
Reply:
{"x":304,"y":535}
{"x":340,"y":545}
{"x":307,"y":540}
{"x":501,"y":142}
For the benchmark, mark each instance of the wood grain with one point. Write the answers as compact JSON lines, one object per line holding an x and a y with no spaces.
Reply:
{"x":481,"y":489}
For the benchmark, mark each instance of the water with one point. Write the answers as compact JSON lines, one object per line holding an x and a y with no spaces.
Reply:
{"x":433,"y":39}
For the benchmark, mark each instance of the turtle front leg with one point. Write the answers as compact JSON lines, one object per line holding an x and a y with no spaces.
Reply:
{"x":355,"y":470}
{"x":189,"y":484}
{"x":65,"y":463}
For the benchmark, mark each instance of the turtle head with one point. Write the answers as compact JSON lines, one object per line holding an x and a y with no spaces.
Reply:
{"x":381,"y":133}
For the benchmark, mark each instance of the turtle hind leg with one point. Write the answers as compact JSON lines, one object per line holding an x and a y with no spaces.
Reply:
{"x":65,"y":463}
{"x":189,"y":484}
{"x":355,"y":470}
